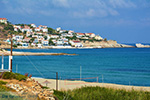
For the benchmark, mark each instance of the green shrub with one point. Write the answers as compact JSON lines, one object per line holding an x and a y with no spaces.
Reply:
{"x":44,"y":87}
{"x":2,"y":83}
{"x":8,"y":75}
{"x":99,"y":93}
{"x":11,"y":75}
{"x":62,"y":95}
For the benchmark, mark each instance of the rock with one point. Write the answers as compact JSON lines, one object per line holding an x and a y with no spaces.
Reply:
{"x":35,"y":89}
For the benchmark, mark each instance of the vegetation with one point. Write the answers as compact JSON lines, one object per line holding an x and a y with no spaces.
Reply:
{"x":105,"y":39}
{"x":5,"y":95}
{"x":51,"y":31}
{"x":51,"y":42}
{"x":3,"y":88}
{"x":15,"y":46}
{"x":8,"y":27}
{"x":72,"y":38}
{"x":44,"y":87}
{"x":11,"y":75}
{"x":99,"y":93}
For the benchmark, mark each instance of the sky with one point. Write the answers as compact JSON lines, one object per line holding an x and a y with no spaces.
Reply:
{"x":126,"y":21}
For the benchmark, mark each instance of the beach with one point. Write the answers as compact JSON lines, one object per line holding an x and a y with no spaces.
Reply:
{"x":70,"y":85}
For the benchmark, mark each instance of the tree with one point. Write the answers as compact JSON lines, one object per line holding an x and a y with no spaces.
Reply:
{"x":74,"y":38}
{"x":24,"y":32}
{"x":19,"y":31}
{"x":15,"y":46}
{"x":9,"y":27}
{"x":105,"y":39}
{"x":45,"y":37}
{"x":51,"y":31}
{"x":51,"y":42}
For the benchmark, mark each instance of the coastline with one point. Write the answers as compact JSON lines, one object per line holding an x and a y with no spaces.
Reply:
{"x":7,"y":53}
{"x":70,"y":85}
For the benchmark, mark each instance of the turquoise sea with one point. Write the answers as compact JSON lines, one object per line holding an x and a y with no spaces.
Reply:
{"x":127,"y":66}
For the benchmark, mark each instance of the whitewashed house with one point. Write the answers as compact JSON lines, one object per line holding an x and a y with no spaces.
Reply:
{"x":90,"y":34}
{"x":39,"y":45}
{"x":45,"y":30}
{"x":18,"y":37}
{"x":70,"y":32}
{"x":97,"y":37}
{"x":25,"y":45}
{"x":76,"y":43}
{"x":3,"y":20}
{"x":54,"y":36}
{"x":33,"y":25}
{"x":45,"y":43}
{"x":59,"y":42}
{"x":80,"y":34}
{"x":26,"y":40}
{"x":37,"y":29}
{"x":58,"y":29}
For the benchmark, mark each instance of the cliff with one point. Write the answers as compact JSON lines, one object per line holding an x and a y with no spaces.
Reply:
{"x":105,"y":44}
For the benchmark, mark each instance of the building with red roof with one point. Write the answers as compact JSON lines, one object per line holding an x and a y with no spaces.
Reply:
{"x":3,"y":20}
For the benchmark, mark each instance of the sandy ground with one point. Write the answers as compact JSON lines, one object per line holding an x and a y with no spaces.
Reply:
{"x":66,"y":85}
{"x":6,"y":53}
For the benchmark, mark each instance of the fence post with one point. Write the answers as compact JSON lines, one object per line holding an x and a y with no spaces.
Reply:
{"x":97,"y":79}
{"x":57,"y":81}
{"x":102,"y":79}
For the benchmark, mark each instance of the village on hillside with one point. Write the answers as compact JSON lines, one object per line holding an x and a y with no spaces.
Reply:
{"x":33,"y":36}
{"x":41,"y":36}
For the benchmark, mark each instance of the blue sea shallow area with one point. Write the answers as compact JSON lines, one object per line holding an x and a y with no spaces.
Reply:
{"x":128,"y":66}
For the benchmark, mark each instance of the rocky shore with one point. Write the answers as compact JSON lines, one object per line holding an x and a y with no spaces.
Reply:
{"x":106,"y":44}
{"x":30,"y":89}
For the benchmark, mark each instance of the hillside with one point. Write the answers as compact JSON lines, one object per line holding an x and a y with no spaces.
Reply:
{"x":33,"y":36}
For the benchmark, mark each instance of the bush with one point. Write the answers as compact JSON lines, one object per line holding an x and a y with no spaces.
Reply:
{"x":2,"y":83}
{"x":11,"y":75}
{"x":15,"y":46}
{"x":100,"y":93}
{"x":8,"y":75}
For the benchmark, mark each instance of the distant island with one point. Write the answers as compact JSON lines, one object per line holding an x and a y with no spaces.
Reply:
{"x":32,"y":36}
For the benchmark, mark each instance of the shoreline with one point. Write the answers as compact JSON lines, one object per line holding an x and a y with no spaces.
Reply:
{"x":70,"y":85}
{"x":65,"y":47}
{"x":7,"y":53}
{"x":72,"y":48}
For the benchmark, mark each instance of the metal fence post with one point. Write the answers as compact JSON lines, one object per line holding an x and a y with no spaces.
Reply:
{"x":56,"y":80}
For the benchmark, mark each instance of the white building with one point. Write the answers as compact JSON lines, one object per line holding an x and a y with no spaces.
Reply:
{"x":3,"y":20}
{"x":26,"y":29}
{"x":76,"y":43}
{"x":45,"y":30}
{"x":97,"y":37}
{"x":33,"y":25}
{"x":25,"y":45}
{"x":90,"y":34}
{"x":58,"y":29}
{"x":54,"y":36}
{"x":45,"y":42}
{"x":37,"y":29}
{"x":18,"y":37}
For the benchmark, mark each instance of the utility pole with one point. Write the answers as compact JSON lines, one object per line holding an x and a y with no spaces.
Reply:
{"x":57,"y":81}
{"x":2,"y":61}
{"x":11,"y":53}
{"x":10,"y":57}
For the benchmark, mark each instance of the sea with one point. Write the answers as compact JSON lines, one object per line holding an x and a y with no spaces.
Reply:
{"x":126,"y":66}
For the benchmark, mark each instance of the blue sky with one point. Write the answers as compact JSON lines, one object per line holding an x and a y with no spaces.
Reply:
{"x":127,"y":21}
